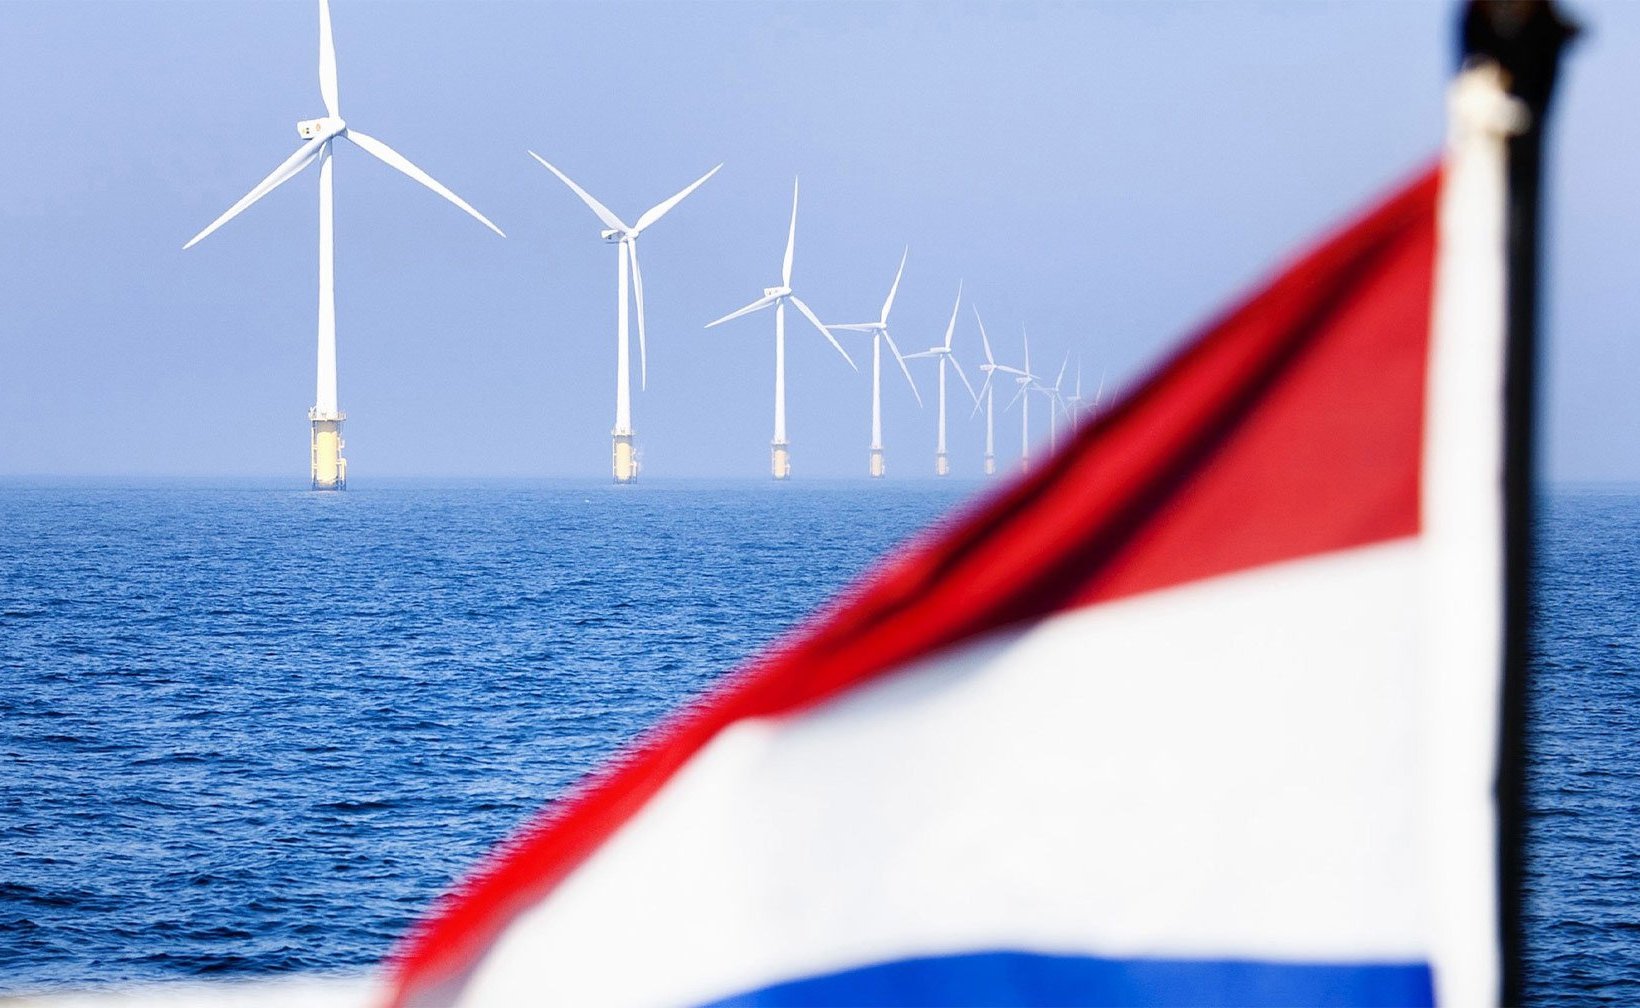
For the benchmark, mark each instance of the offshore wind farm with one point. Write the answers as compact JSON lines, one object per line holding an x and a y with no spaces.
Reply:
{"x":328,"y":468}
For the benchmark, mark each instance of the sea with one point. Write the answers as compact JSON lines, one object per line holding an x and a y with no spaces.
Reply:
{"x":250,"y":729}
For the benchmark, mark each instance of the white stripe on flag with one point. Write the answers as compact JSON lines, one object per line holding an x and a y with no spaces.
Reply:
{"x":1245,"y":754}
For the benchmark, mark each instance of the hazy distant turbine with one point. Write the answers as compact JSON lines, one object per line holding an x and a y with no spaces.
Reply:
{"x":942,"y":353}
{"x":328,"y":468}
{"x":988,"y":394}
{"x":623,"y":450}
{"x":1056,"y":402}
{"x":1024,"y":380}
{"x":779,"y":448}
{"x":875,"y":465}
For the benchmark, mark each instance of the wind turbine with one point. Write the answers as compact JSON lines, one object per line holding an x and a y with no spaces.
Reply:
{"x":779,"y":448}
{"x":988,"y":393}
{"x":1055,"y":402}
{"x":623,"y":451}
{"x":328,"y":468}
{"x":942,"y":466}
{"x":1024,"y":379}
{"x":879,"y":333}
{"x":1074,"y":403}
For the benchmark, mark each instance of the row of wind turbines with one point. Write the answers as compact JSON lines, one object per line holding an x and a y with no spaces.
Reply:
{"x":329,"y":468}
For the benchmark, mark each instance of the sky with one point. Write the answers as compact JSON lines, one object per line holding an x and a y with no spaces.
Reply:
{"x":1104,"y":175}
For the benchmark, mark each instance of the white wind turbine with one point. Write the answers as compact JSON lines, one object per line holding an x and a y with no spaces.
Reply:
{"x":1025,"y":380}
{"x":329,"y":469}
{"x":623,"y":451}
{"x":779,"y":448}
{"x":1056,"y":402}
{"x":942,"y":353}
{"x":879,"y":333}
{"x":988,"y":394}
{"x":1075,"y":404}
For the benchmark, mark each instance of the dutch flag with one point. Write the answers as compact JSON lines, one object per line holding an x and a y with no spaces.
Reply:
{"x":1216,"y":706}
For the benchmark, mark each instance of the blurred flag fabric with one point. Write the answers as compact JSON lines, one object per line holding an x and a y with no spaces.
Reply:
{"x":1204,"y":709}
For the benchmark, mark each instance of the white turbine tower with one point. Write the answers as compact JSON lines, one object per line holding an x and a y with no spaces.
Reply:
{"x":328,"y":468}
{"x":1024,"y":379}
{"x":623,"y":450}
{"x":879,"y":333}
{"x":988,"y":394}
{"x":779,"y":448}
{"x":942,"y":353}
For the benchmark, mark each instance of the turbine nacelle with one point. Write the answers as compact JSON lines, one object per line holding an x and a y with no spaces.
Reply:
{"x":775,"y":292}
{"x":612,"y":234}
{"x":327,"y":126}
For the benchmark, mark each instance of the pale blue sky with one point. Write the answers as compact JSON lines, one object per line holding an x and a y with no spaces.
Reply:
{"x":1106,"y":174}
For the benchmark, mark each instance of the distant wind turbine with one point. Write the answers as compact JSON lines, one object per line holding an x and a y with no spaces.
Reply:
{"x":1056,"y":402}
{"x":988,"y":394}
{"x":779,"y":448}
{"x":1075,"y":404}
{"x":879,"y":333}
{"x":623,"y":452}
{"x":328,"y":468}
{"x":1024,"y":379}
{"x":942,"y":353}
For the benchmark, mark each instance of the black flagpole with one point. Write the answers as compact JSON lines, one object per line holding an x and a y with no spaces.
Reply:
{"x":1525,"y":38}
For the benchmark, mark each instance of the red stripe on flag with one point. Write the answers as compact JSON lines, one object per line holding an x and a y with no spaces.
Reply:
{"x":1291,"y":427}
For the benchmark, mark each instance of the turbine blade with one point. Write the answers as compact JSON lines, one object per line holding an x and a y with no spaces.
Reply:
{"x":919,"y":355}
{"x":762,"y":302}
{"x":1079,"y":377}
{"x":895,"y":289}
{"x":1014,"y":399}
{"x":327,"y":63}
{"x":1097,"y":396}
{"x":660,"y":210}
{"x":637,"y":290}
{"x":979,"y":399}
{"x":854,"y":326}
{"x":393,"y":158}
{"x":1062,"y":368}
{"x":951,"y":327}
{"x":609,"y":219}
{"x":903,"y":368}
{"x":965,"y":383}
{"x":287,"y":170}
{"x":823,"y":330}
{"x":1026,"y":336}
{"x":791,"y":241}
{"x":984,"y":339}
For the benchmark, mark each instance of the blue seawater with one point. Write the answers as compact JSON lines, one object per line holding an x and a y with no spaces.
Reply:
{"x":251,"y":729}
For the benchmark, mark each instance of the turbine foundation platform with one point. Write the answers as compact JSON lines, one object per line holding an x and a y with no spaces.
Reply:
{"x":328,"y":469}
{"x":780,"y":460}
{"x":990,"y":464}
{"x":624,"y":457}
{"x":877,"y":469}
{"x":942,"y":465}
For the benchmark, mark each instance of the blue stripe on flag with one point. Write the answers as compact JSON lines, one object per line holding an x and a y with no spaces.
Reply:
{"x":1002,"y":979}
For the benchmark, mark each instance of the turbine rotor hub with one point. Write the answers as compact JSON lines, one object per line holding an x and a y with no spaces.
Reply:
{"x":324,"y":126}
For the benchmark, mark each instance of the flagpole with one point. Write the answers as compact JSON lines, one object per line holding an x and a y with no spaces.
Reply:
{"x":1525,"y":38}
